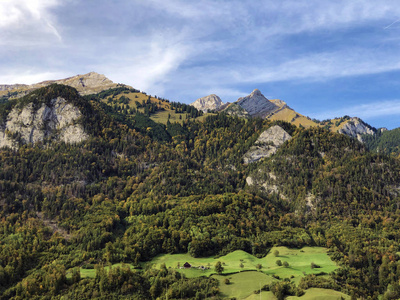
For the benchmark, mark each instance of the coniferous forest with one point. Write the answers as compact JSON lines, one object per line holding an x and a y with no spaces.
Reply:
{"x":136,"y":189}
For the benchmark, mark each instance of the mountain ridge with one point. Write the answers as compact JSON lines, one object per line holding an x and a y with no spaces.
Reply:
{"x":257,"y":105}
{"x":89,"y":83}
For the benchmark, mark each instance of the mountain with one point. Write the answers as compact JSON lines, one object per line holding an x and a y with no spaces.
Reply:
{"x":256,"y":104}
{"x":157,"y":181}
{"x":208,"y":103}
{"x":89,"y":83}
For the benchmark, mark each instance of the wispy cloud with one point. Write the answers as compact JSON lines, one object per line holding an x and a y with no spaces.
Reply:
{"x":364,"y":111}
{"x":27,"y":76}
{"x":27,"y":20}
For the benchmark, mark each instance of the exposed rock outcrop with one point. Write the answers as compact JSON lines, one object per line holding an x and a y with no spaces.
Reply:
{"x":30,"y":124}
{"x":267,"y":144}
{"x":268,"y":184}
{"x":210,"y":102}
{"x":256,"y":104}
{"x":355,"y":127}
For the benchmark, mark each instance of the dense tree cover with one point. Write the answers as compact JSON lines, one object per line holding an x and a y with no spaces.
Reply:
{"x":128,"y":194}
{"x":385,"y":142}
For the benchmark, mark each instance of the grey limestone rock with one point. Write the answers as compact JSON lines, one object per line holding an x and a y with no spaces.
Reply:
{"x":256,"y":104}
{"x":355,"y":128}
{"x":30,"y":125}
{"x":210,"y":102}
{"x":267,"y":144}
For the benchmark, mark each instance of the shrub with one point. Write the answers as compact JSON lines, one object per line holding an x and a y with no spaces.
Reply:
{"x":285,"y":264}
{"x":279,"y":262}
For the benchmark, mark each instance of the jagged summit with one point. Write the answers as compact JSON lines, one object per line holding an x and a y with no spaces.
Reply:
{"x":256,"y":104}
{"x":256,"y":92}
{"x":210,"y":102}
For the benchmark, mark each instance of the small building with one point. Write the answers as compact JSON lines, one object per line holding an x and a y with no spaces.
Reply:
{"x":187,"y":265}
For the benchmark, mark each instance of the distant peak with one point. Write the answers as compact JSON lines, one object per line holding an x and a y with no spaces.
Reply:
{"x":256,"y":92}
{"x":209,"y":102}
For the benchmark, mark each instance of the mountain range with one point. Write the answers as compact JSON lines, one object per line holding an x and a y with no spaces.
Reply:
{"x":100,"y":182}
{"x":257,"y":105}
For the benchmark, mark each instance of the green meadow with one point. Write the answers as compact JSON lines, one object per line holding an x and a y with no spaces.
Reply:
{"x":245,"y":275}
{"x":243,"y":284}
{"x":299,"y":261}
{"x":310,"y":294}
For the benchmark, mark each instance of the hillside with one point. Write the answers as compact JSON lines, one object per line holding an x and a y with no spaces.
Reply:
{"x":83,"y":220}
{"x":85,"y":84}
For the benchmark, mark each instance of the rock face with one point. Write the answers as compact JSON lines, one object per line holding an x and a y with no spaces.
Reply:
{"x":267,"y":144}
{"x":256,"y":104}
{"x":210,"y":102}
{"x":355,"y":127}
{"x":57,"y":121}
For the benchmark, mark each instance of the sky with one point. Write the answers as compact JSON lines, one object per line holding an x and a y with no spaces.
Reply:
{"x":325,"y":59}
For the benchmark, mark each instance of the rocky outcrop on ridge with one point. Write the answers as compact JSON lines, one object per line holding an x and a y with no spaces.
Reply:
{"x":86,"y":84}
{"x":30,"y":124}
{"x":256,"y":104}
{"x":267,"y":144}
{"x":355,"y":127}
{"x":208,"y":103}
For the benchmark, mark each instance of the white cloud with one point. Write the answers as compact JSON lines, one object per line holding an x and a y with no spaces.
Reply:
{"x":30,"y":76}
{"x":364,"y":111}
{"x":146,"y":65}
{"x":27,"y":20}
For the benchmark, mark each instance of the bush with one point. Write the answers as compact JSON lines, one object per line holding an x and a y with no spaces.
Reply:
{"x":259,"y":266}
{"x":279,"y":262}
{"x":285,"y":264}
{"x":276,"y":253}
{"x":313,"y":265}
{"x":227,"y":281}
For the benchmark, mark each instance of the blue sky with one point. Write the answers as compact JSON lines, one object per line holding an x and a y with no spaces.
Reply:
{"x":324,"y":58}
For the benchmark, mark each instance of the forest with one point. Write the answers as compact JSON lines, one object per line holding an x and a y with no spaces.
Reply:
{"x":137,"y":189}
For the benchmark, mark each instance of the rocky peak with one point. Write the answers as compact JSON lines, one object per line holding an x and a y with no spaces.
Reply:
{"x":85,"y":84}
{"x":355,"y":127}
{"x":256,"y":104}
{"x":256,"y":92}
{"x":210,"y":102}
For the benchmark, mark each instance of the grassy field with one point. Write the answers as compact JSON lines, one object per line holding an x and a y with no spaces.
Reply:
{"x":319,"y":294}
{"x":162,"y":117}
{"x":310,"y":294}
{"x":299,"y":263}
{"x":243,"y":284}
